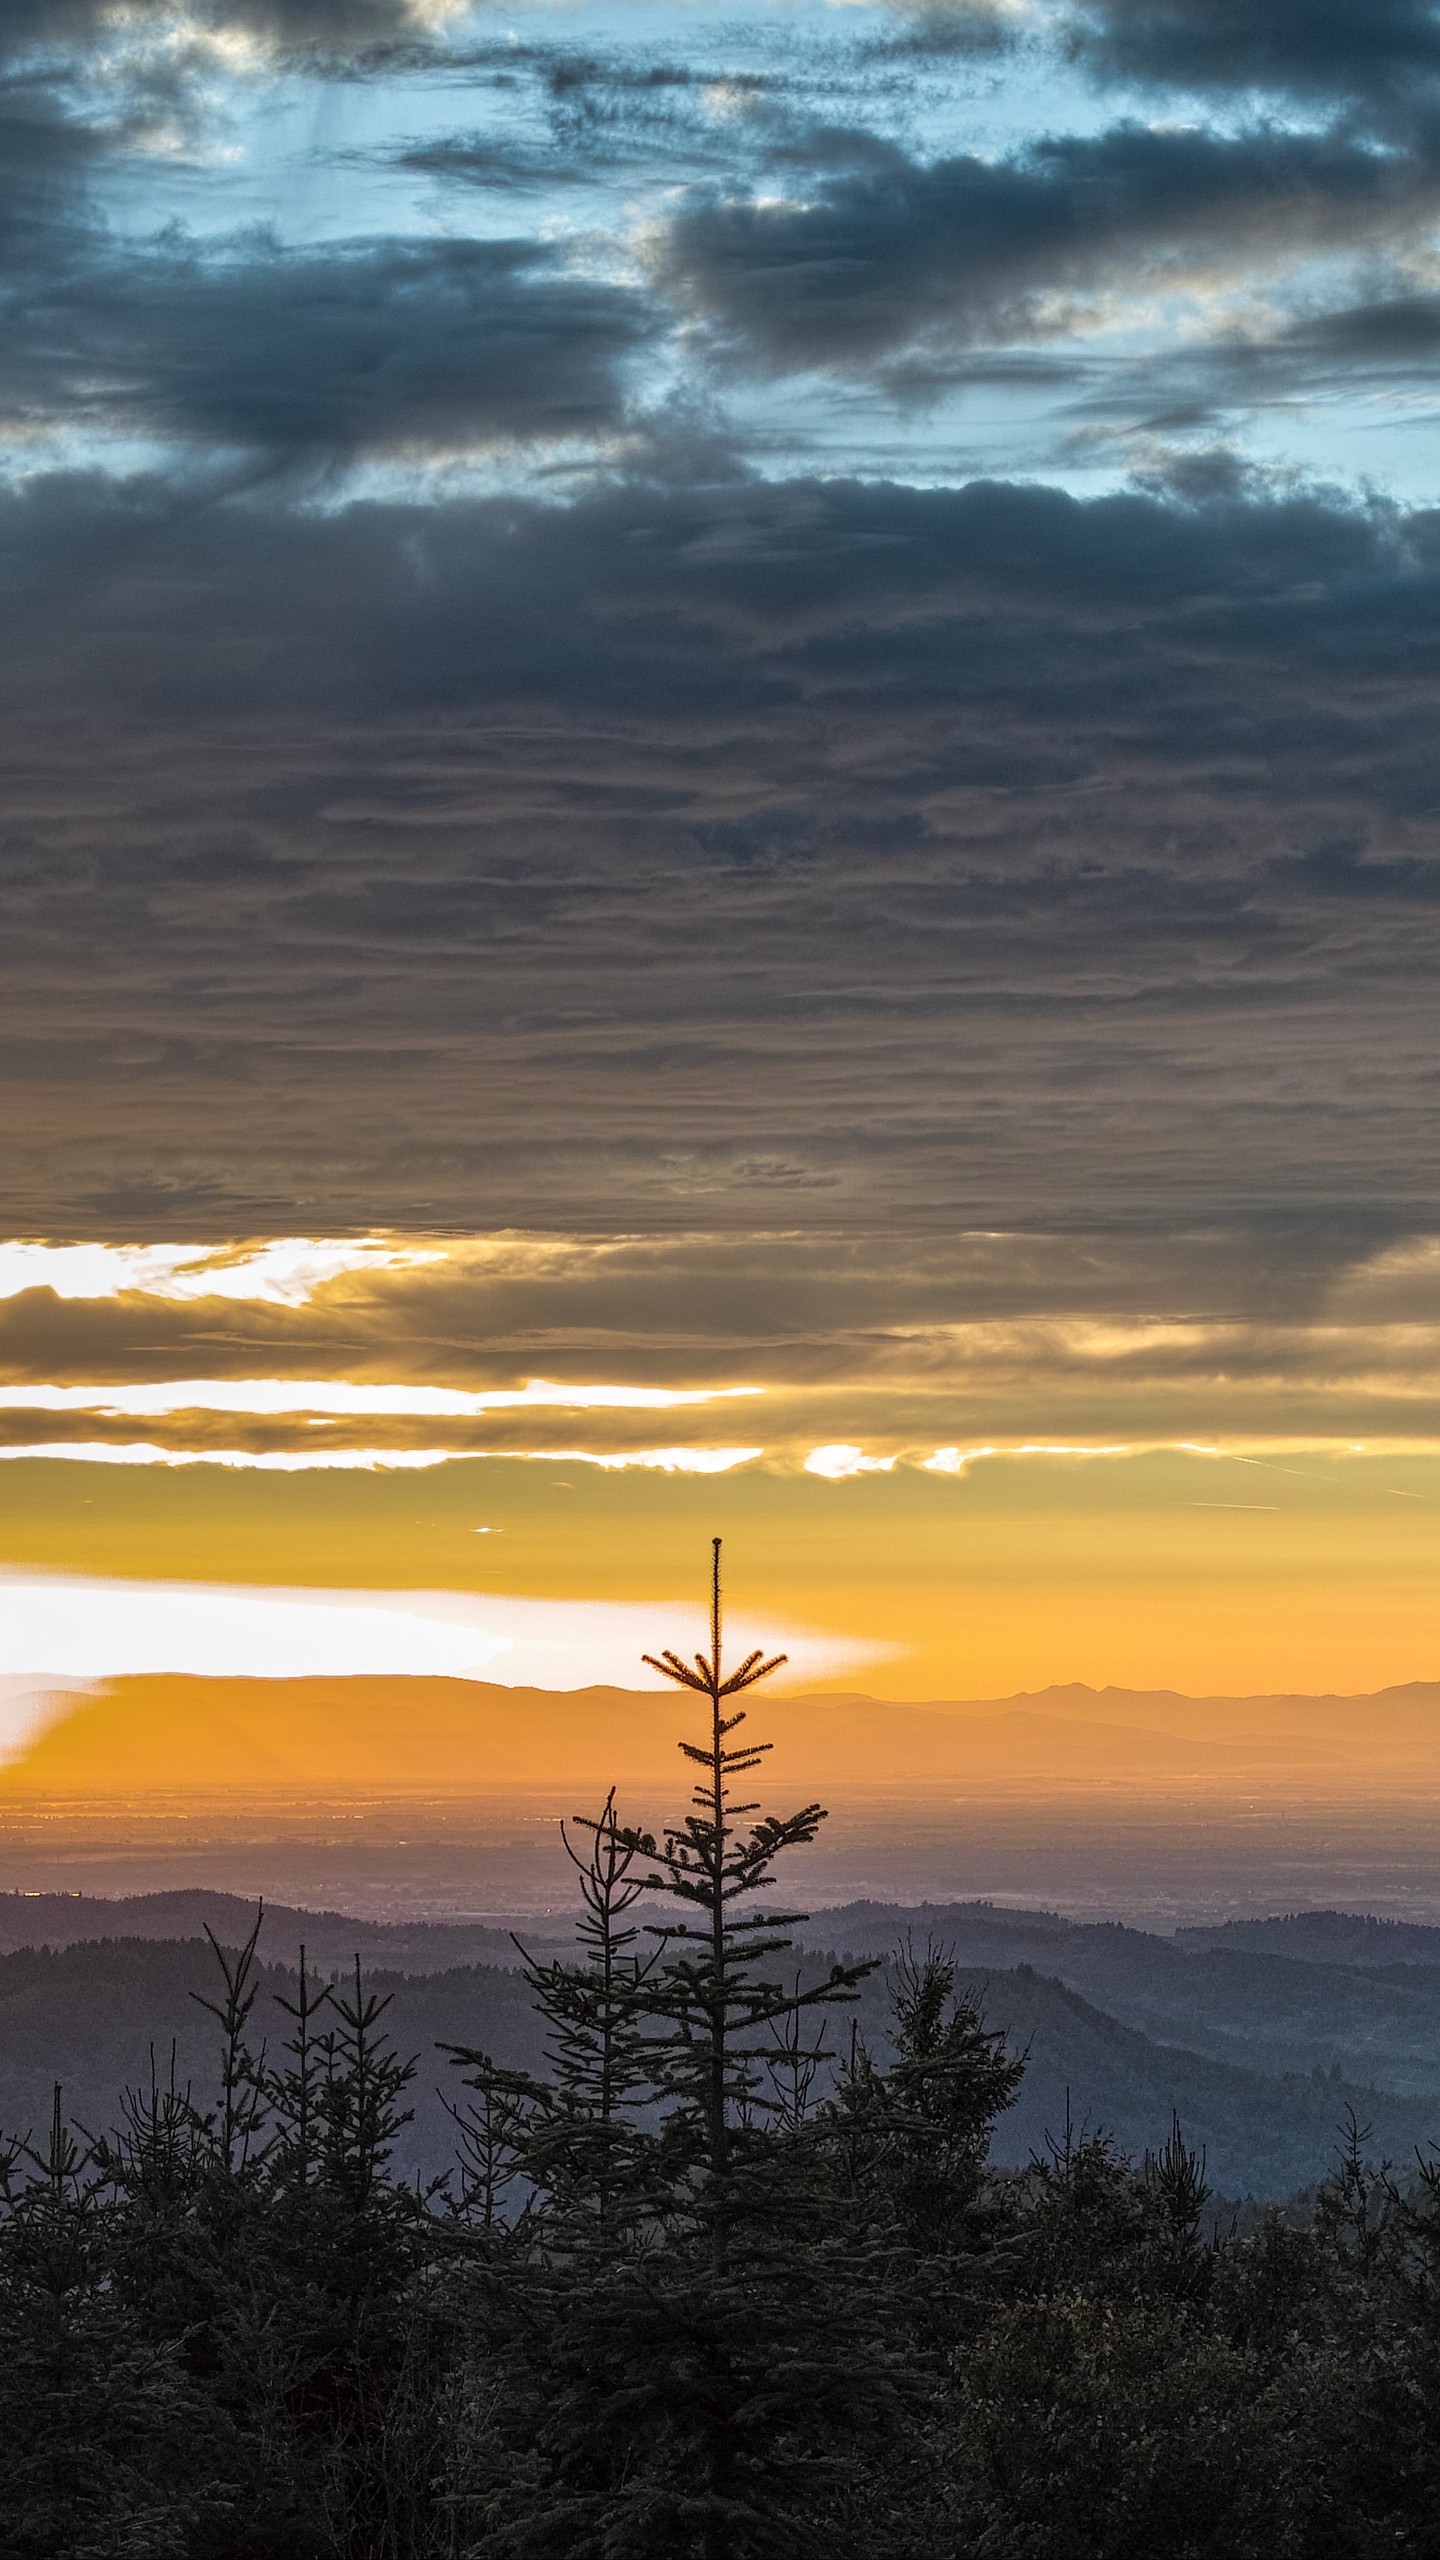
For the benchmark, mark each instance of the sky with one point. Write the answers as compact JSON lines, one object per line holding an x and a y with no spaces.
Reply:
{"x":719,"y":781}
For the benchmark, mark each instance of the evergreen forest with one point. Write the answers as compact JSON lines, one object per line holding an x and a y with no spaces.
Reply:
{"x":721,"y":2276}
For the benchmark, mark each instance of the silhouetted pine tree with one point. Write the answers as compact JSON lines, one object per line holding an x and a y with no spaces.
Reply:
{"x":572,"y":2140}
{"x":913,"y":2134}
{"x":296,"y":2089}
{"x":700,"y":2367}
{"x":107,"y":2447}
{"x":239,"y":2120}
{"x":587,"y":2149}
{"x":716,"y":2010}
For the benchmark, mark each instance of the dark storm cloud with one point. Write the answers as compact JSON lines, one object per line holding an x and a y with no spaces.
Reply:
{"x":746,"y":854}
{"x":1399,"y":331}
{"x":29,"y":25}
{"x":374,"y":347}
{"x":1353,"y":49}
{"x":378,"y":346}
{"x":327,"y":26}
{"x":764,"y":589}
{"x":83,"y":81}
{"x":934,"y":28}
{"x":319,"y":29}
{"x":1389,"y":342}
{"x":45,"y":161}
{"x":884,"y":249}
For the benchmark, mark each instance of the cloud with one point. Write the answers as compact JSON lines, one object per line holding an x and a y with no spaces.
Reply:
{"x":954,"y":954}
{"x":868,"y":1353}
{"x":346,"y":1397}
{"x":765,"y":589}
{"x":1393,"y":332}
{"x":330,"y":26}
{"x":383,"y":347}
{"x":1327,"y":48}
{"x":630,"y":112}
{"x":1367,"y":360}
{"x":46,"y":161}
{"x":685,"y":1460}
{"x":716,"y":854}
{"x":288,"y":1271}
{"x":241,"y":344}
{"x":319,"y":31}
{"x":874,"y":255}
{"x":940,"y":27}
{"x":30,"y":25}
{"x":839,"y":1460}
{"x":953,"y":1461}
{"x":285,"y":1462}
{"x":72,"y":1628}
{"x":90,"y":1630}
{"x":834,"y":1463}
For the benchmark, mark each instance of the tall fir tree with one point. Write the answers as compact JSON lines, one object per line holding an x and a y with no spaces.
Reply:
{"x":694,"y":2380}
{"x":570,"y":2141}
{"x":720,"y":2018}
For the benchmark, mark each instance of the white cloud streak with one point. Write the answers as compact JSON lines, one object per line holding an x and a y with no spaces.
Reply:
{"x":671,"y":1462}
{"x":346,"y":1398}
{"x":148,"y":1453}
{"x":287,"y":1271}
{"x":282,"y":1462}
{"x":953,"y":1461}
{"x":840,"y":1459}
{"x":66,"y":1628}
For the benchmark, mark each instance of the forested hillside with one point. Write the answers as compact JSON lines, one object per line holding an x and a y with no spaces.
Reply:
{"x":1273,"y":1996}
{"x":89,"y":2017}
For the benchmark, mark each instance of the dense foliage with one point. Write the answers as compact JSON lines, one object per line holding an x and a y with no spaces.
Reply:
{"x":716,"y":2281}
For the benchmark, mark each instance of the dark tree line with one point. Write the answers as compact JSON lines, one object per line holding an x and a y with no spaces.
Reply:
{"x":720,"y":2284}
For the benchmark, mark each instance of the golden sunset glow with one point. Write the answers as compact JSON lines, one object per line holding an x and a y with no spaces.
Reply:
{"x":916,"y":1515}
{"x":1228,"y":1553}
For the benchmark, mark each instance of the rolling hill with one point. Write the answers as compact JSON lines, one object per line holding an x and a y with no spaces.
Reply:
{"x":91,"y":2017}
{"x":1260,"y":2055}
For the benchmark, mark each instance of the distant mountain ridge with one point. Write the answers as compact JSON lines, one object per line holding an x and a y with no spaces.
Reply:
{"x":1327,"y":1937}
{"x":58,"y":1920}
{"x":356,"y":1736}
